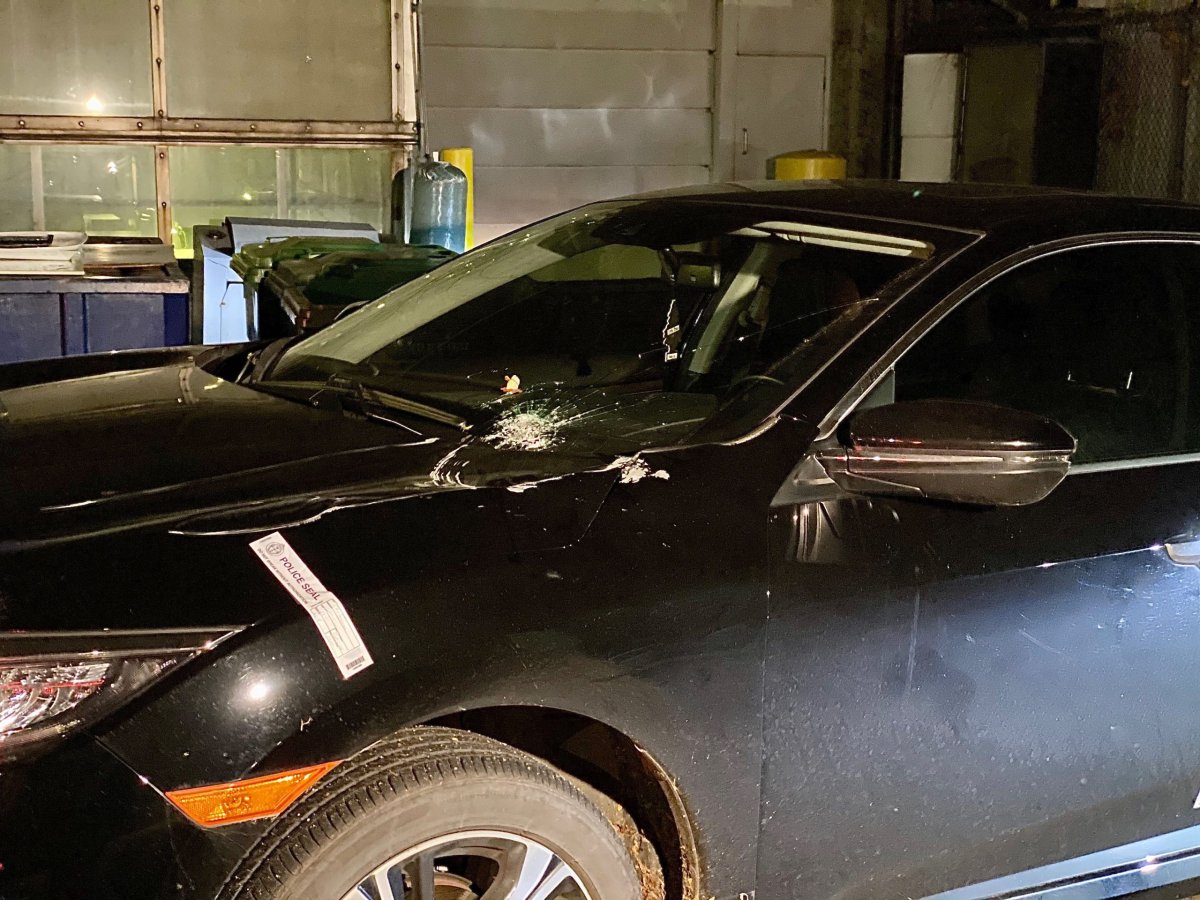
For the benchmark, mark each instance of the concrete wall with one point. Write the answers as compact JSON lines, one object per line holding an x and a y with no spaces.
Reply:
{"x":859,"y":87}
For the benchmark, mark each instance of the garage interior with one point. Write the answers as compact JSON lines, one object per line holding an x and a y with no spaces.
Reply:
{"x":183,"y":175}
{"x":135,"y":120}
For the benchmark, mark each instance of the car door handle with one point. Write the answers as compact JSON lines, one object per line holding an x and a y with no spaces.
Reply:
{"x":1184,"y":553}
{"x":745,"y":141}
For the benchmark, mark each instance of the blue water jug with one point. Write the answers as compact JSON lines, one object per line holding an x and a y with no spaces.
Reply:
{"x":435,"y":205}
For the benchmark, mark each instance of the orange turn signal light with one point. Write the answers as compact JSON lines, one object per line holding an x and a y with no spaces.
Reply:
{"x":241,"y":801}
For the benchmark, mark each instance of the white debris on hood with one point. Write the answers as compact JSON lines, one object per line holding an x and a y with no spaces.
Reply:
{"x":634,"y":469}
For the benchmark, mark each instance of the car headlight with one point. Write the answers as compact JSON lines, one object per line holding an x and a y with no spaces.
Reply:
{"x":53,"y":683}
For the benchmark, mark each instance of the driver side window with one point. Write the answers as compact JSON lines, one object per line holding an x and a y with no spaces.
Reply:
{"x":1100,"y":339}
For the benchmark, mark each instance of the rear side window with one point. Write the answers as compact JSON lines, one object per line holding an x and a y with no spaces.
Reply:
{"x":1101,"y":339}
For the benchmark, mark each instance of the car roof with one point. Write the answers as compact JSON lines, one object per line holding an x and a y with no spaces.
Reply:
{"x":979,"y":208}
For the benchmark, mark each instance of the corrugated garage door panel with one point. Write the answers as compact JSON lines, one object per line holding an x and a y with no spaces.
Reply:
{"x":576,"y":137}
{"x":785,"y":28}
{"x":628,"y":24}
{"x":501,"y":190}
{"x":613,"y":79}
{"x":569,"y":101}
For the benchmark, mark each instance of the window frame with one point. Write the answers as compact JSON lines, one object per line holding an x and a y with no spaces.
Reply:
{"x":884,"y":367}
{"x":399,"y":134}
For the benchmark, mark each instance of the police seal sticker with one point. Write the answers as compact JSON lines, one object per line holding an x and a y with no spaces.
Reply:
{"x":322,"y":605}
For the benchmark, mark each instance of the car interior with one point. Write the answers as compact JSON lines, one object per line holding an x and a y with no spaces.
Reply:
{"x":1078,"y":337}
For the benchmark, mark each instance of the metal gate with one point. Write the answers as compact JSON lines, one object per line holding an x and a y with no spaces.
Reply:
{"x":1150,"y":106}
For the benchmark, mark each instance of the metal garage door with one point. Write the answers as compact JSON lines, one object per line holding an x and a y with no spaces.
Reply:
{"x":569,"y":101}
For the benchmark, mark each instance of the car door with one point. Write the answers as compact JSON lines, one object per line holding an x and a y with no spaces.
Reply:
{"x":957,"y":694}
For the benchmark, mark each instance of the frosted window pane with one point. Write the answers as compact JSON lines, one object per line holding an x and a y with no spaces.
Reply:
{"x":75,"y":57}
{"x":105,"y":190}
{"x":339,"y":185}
{"x":100,"y":189}
{"x":16,"y":188}
{"x":210,"y":183}
{"x":279,"y":59}
{"x":331,"y":185}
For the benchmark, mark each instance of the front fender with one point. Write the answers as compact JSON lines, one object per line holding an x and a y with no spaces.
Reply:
{"x":650,"y":621}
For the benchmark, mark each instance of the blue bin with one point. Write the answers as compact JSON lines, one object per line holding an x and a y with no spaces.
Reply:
{"x":46,"y":317}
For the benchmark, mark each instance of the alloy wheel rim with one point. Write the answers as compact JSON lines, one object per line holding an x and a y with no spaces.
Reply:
{"x":473,"y":865}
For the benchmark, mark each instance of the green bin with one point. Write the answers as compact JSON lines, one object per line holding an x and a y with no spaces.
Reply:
{"x":253,"y":261}
{"x":304,"y":295}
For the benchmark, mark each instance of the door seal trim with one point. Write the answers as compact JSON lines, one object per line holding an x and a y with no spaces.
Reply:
{"x":1117,"y":872}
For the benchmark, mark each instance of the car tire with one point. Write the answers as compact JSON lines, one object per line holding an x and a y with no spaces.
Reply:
{"x":399,"y":798}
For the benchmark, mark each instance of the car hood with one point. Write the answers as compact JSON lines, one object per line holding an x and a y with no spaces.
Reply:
{"x":95,"y":445}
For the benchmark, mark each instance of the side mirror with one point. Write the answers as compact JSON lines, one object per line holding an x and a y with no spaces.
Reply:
{"x":951,"y":450}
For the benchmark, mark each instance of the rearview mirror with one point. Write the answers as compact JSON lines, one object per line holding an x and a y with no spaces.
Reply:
{"x":693,"y":270}
{"x":952,"y":450}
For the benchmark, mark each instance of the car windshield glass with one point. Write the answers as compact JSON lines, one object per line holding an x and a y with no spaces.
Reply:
{"x":616,"y":327}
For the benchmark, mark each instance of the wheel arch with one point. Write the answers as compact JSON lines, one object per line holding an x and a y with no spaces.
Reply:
{"x":607,"y":760}
{"x":313,"y":719}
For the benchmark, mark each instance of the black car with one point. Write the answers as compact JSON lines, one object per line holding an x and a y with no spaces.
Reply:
{"x":826,"y":540}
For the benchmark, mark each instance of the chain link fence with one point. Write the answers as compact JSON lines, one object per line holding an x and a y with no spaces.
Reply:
{"x":1150,"y":112}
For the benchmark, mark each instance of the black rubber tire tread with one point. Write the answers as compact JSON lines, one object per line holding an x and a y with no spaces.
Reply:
{"x":415,"y":759}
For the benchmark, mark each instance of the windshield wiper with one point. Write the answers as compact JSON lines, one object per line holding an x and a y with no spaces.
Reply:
{"x":341,"y":390}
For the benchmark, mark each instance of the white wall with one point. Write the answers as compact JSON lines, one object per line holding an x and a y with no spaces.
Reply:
{"x":570,"y":101}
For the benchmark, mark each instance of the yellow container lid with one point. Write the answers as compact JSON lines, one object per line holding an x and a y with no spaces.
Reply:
{"x":802,"y":165}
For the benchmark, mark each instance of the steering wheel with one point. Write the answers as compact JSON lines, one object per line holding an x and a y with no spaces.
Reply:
{"x":746,"y":379}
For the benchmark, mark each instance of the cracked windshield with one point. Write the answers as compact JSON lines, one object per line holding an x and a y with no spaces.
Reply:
{"x":610,"y":329}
